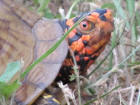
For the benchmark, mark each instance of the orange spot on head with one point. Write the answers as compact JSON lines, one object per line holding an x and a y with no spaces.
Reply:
{"x":70,"y":22}
{"x":95,"y":46}
{"x":86,"y":37}
{"x":101,"y":23}
{"x":73,"y":45}
{"x":89,"y":50}
{"x":108,"y":15}
{"x":102,"y":42}
{"x":93,"y":17}
{"x":77,"y":58}
{"x":86,"y":58}
{"x":83,"y":51}
{"x":72,"y":33}
{"x":77,"y":45}
{"x":80,"y":45}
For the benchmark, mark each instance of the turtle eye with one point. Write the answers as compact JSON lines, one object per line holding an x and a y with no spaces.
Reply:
{"x":85,"y":25}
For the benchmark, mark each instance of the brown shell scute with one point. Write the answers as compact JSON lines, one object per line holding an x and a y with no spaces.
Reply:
{"x":47,"y":33}
{"x":15,"y":38}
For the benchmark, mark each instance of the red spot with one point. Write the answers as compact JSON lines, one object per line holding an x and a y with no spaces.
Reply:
{"x":93,"y":17}
{"x":89,"y":50}
{"x":86,"y":37}
{"x":71,"y":34}
{"x":70,"y":22}
{"x":77,"y":45}
{"x":77,"y":58}
{"x":86,"y":58}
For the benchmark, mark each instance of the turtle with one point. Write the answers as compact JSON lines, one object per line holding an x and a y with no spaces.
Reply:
{"x":26,"y":35}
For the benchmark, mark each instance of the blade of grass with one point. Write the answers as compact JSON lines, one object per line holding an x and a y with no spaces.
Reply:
{"x":120,"y":11}
{"x":113,"y":44}
{"x":130,"y":55}
{"x":131,"y":10}
{"x":119,"y":29}
{"x":130,"y":6}
{"x":93,"y":100}
{"x":71,"y":8}
{"x":29,"y":68}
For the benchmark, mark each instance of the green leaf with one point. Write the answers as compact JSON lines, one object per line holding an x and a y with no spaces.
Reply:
{"x":91,"y":91}
{"x":134,"y":63}
{"x":48,"y":14}
{"x":43,"y":5}
{"x":36,"y":2}
{"x":11,"y":70}
{"x":72,"y":77}
{"x":7,"y":90}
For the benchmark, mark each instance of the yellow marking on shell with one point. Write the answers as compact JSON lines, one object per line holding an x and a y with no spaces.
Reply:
{"x":55,"y":100}
{"x":47,"y":96}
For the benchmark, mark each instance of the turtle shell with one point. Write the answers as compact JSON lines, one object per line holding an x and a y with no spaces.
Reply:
{"x":25,"y":35}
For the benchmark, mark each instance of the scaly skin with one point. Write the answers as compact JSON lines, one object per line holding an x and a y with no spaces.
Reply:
{"x":87,"y":41}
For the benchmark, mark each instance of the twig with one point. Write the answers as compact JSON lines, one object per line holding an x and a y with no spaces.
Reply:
{"x":132,"y":95}
{"x":138,"y":98}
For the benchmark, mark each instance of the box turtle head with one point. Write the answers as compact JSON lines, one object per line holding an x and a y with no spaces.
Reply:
{"x":87,"y":41}
{"x":22,"y":37}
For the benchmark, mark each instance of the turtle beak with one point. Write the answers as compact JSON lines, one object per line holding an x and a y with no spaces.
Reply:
{"x":110,"y":19}
{"x":103,"y":18}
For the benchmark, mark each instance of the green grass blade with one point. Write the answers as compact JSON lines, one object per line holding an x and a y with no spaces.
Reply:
{"x":113,"y":44}
{"x":130,"y":6}
{"x":131,"y":10}
{"x":71,"y":8}
{"x":7,"y":90}
{"x":130,"y":55}
{"x":120,"y":11}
